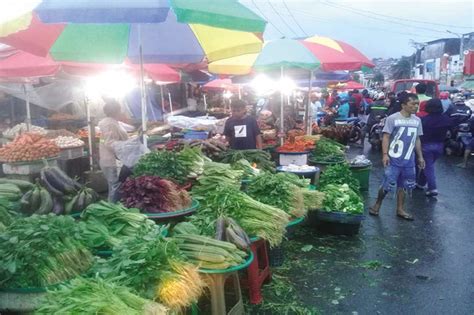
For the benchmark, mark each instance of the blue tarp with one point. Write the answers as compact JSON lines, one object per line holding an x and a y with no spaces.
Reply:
{"x":133,"y":100}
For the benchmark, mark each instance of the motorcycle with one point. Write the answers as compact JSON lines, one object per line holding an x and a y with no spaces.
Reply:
{"x":461,"y":134}
{"x":376,"y":132}
{"x":356,"y":127}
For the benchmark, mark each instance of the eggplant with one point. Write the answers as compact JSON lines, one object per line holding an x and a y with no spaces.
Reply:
{"x":220,"y":229}
{"x":49,"y":186}
{"x":235,"y":239}
{"x":58,"y":205}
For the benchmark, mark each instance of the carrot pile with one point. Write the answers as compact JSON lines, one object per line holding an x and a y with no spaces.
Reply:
{"x":28,"y":147}
{"x":293,"y":145}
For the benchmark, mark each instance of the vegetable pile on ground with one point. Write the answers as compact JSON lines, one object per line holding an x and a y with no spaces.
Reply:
{"x":28,"y":147}
{"x":339,"y":133}
{"x":97,"y":296}
{"x":155,"y":268}
{"x":223,"y":199}
{"x":327,"y":151}
{"x":104,"y":225}
{"x":204,"y":251}
{"x":177,"y":166}
{"x":262,"y":159}
{"x":339,"y":174}
{"x":68,"y":195}
{"x":342,"y":198}
{"x":152,"y":194}
{"x":66,"y":142}
{"x":276,"y":190}
{"x":39,"y":251}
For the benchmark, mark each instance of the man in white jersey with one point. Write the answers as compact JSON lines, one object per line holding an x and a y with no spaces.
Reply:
{"x":401,"y":139}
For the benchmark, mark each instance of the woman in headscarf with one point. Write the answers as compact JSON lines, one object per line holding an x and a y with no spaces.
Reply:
{"x":435,"y":126}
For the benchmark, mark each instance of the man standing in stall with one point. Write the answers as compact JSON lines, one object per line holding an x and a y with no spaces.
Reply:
{"x":242,"y":130}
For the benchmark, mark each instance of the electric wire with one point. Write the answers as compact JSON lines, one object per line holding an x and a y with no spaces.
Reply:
{"x":267,"y":19}
{"x":294,"y":19}
{"x":281,"y":18}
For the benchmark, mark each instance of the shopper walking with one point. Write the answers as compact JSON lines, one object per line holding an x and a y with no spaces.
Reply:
{"x":435,"y":126}
{"x":111,"y":131}
{"x":401,"y":138}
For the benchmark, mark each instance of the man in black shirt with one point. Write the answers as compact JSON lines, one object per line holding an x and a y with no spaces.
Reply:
{"x":241,"y":130}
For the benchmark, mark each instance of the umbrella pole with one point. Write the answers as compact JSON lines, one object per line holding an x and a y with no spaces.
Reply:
{"x":171,"y":104}
{"x":162,"y":100}
{"x":142,"y":91}
{"x":28,"y":111}
{"x":306,"y":115}
{"x":205,"y":103}
{"x":282,"y":100}
{"x":89,"y":136}
{"x":240,"y":93}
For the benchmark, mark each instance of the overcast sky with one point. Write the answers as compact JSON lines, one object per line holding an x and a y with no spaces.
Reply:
{"x":378,"y":28}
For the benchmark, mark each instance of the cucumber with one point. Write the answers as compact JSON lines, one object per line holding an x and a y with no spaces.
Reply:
{"x":22,"y":184}
{"x":10,"y":188}
{"x":213,"y":258}
{"x":46,"y":202}
{"x":35,"y":199}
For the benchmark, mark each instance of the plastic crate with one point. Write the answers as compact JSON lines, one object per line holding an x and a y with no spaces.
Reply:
{"x":71,"y":153}
{"x":295,"y":158}
{"x":25,"y":168}
{"x":336,"y":223}
{"x":276,"y":256}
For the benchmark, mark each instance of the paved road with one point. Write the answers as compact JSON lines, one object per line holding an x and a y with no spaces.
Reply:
{"x":394,"y":266}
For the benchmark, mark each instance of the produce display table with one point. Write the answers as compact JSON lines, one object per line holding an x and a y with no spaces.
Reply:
{"x":258,"y":271}
{"x":216,"y":280}
{"x":28,"y":171}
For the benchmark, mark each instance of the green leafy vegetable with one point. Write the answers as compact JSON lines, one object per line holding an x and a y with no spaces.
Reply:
{"x":339,"y":174}
{"x":262,"y":159}
{"x":41,"y":250}
{"x":343,"y":199}
{"x":328,"y":150}
{"x":97,"y":296}
{"x":278,"y":191}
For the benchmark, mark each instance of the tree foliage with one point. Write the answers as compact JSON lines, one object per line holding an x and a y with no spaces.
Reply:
{"x":402,"y":69}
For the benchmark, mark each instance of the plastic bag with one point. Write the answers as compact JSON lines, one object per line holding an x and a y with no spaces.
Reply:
{"x":129,"y":151}
{"x":360,"y":160}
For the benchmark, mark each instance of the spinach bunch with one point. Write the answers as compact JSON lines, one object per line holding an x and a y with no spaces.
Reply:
{"x":165,"y":164}
{"x":339,"y":174}
{"x":341,"y":198}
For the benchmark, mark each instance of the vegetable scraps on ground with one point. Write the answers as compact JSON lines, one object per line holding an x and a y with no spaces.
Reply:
{"x":152,"y":194}
{"x":28,"y":147}
{"x":339,"y":174}
{"x":156,"y":269}
{"x":341,"y":198}
{"x":97,"y":296}
{"x":39,"y":251}
{"x":262,"y":159}
{"x":105,"y":225}
{"x":256,"y":218}
{"x":328,"y":150}
{"x":276,"y":190}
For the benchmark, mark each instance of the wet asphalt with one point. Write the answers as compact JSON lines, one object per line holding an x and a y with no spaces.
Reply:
{"x":394,"y":266}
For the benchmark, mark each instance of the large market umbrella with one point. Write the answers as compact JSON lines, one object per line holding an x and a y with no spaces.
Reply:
{"x":220,"y":84}
{"x":177,"y":31}
{"x":314,"y":52}
{"x":350,"y":85}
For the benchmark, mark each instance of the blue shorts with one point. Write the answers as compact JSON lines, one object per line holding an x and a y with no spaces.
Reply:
{"x":399,"y":177}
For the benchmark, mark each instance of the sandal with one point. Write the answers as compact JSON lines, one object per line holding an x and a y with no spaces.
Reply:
{"x":405,"y":216}
{"x":373,"y":212}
